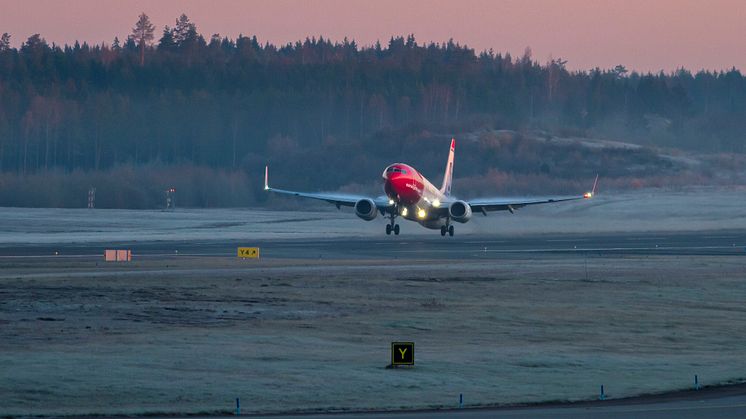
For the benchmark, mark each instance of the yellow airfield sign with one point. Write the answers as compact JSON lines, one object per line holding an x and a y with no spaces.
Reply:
{"x":248,"y":252}
{"x":402,"y":353}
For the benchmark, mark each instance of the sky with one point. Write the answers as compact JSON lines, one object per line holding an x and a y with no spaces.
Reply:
{"x":643,"y":35}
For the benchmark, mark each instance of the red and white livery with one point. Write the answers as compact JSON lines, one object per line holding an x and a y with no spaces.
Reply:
{"x":411,"y":196}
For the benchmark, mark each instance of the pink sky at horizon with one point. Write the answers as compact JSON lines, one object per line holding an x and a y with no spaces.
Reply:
{"x":645,"y":36}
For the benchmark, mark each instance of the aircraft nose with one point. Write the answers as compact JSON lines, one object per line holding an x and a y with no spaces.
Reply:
{"x":389,"y":182}
{"x":390,"y":177}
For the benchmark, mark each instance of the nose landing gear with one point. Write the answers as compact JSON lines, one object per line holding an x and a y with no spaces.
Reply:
{"x":392,"y":226}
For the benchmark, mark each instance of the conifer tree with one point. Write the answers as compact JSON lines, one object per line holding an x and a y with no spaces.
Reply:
{"x":142,"y":34}
{"x":5,"y":41}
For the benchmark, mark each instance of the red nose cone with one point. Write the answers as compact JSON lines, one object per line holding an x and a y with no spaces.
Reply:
{"x":403,"y":188}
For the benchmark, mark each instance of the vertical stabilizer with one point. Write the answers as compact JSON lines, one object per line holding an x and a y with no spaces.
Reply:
{"x":448,"y":175}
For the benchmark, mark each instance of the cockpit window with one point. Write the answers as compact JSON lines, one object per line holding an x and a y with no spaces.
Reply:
{"x":396,"y":170}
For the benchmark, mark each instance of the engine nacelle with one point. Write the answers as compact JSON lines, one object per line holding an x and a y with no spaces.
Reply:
{"x":366,"y":209}
{"x":459,"y":211}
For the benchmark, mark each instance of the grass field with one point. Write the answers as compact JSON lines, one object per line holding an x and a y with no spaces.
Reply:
{"x":192,"y":334}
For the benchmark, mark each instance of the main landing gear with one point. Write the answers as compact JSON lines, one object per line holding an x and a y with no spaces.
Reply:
{"x":446,"y":229}
{"x":392,"y":226}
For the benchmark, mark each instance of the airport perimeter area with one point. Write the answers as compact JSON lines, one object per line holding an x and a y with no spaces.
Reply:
{"x":544,"y":305}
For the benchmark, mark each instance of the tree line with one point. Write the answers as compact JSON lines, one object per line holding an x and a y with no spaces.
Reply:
{"x":177,"y":97}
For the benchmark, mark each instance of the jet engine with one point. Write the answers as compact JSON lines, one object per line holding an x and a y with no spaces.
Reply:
{"x":459,"y":211}
{"x":366,"y":209}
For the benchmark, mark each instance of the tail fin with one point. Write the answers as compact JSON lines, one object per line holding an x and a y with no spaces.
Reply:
{"x":448,"y":175}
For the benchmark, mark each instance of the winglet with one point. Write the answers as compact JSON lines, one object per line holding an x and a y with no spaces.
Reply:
{"x":266,"y":176}
{"x":595,"y":183}
{"x":590,"y":194}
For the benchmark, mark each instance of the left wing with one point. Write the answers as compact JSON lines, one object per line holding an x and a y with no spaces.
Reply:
{"x":511,"y":204}
{"x":340,"y":200}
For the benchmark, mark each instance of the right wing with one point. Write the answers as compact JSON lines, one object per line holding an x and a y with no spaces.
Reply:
{"x":510,"y":204}
{"x":340,"y":200}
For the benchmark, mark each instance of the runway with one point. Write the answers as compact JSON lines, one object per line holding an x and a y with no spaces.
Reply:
{"x":712,"y":403}
{"x":696,"y":243}
{"x":691,"y":405}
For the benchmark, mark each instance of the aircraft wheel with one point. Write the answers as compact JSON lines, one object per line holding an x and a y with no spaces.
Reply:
{"x":396,"y":229}
{"x":388,"y":229}
{"x":442,"y":230}
{"x":450,"y":231}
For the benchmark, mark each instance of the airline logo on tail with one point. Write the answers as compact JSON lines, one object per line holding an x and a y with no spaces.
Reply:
{"x":448,"y":175}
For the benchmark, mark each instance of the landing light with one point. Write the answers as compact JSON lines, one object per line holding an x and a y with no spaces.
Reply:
{"x":391,"y":202}
{"x":436,"y":203}
{"x":404,"y":212}
{"x":588,"y":195}
{"x":421,"y":213}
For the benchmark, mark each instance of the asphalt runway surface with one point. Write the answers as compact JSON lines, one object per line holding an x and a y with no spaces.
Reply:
{"x":732,"y":407}
{"x":719,"y":242}
{"x":711,"y":403}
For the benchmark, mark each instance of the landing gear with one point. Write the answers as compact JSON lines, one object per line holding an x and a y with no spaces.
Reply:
{"x":392,"y":226}
{"x":448,"y":228}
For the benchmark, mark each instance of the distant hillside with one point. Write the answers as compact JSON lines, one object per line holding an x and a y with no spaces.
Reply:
{"x":488,"y":163}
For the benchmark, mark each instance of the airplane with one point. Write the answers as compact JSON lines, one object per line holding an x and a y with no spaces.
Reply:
{"x":411,"y":196}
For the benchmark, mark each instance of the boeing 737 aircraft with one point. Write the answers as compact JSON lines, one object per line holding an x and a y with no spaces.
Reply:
{"x":410,"y":196}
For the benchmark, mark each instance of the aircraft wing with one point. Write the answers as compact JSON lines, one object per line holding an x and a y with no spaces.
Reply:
{"x":510,"y":204}
{"x":343,"y":200}
{"x":338,"y":199}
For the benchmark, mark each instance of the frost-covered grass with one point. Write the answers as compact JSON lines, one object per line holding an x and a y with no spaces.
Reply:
{"x":503,"y":331}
